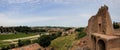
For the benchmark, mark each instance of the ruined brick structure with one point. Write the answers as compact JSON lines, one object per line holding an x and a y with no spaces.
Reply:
{"x":101,"y":33}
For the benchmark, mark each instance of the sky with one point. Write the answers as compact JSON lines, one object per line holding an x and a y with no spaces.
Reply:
{"x":68,"y":13}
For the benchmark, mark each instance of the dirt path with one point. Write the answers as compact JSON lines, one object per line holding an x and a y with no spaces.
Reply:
{"x":30,"y":37}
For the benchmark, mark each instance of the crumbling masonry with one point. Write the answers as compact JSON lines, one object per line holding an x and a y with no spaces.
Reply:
{"x":101,"y":33}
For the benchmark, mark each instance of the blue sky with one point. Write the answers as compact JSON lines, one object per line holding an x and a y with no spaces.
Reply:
{"x":68,"y":13}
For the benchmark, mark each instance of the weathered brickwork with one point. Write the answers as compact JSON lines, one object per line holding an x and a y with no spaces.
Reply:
{"x":101,"y":33}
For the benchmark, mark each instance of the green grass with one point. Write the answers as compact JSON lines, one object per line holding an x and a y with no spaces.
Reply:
{"x":81,"y":34}
{"x":3,"y":44}
{"x":14,"y":36}
{"x":62,"y":43}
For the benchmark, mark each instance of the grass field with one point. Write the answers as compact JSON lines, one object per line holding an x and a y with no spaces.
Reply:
{"x":14,"y":36}
{"x":2,"y":44}
{"x":63,"y":43}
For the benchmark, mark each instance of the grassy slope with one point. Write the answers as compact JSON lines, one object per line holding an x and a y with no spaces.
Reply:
{"x":13,"y":36}
{"x":62,"y":43}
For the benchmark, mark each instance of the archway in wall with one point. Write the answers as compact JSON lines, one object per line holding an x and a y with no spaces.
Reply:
{"x":101,"y":45}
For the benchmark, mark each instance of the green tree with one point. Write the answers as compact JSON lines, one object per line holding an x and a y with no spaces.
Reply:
{"x":80,"y":29}
{"x":35,"y":41}
{"x":23,"y":42}
{"x":20,"y":43}
{"x":26,"y":42}
{"x":12,"y":46}
{"x":116,"y":25}
{"x":80,"y":35}
{"x":44,"y":40}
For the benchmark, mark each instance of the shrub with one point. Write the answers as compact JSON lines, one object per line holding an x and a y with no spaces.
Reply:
{"x":35,"y":41}
{"x":5,"y":47}
{"x":59,"y":34}
{"x":80,"y":35}
{"x":116,"y":25}
{"x":44,"y":40}
{"x":20,"y":43}
{"x":80,"y":29}
{"x":53,"y":36}
{"x":23,"y":42}
{"x":12,"y":46}
{"x":26,"y":42}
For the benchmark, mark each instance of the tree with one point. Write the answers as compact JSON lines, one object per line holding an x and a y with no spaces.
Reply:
{"x":44,"y":40}
{"x":58,"y":34}
{"x":116,"y":25}
{"x":35,"y":41}
{"x":80,"y":35}
{"x":66,"y":29}
{"x":26,"y":42}
{"x":80,"y":29}
{"x":23,"y":42}
{"x":12,"y":46}
{"x":20,"y":43}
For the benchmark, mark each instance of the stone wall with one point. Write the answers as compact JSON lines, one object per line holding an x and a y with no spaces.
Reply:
{"x":101,"y":22}
{"x":114,"y":44}
{"x":101,"y":33}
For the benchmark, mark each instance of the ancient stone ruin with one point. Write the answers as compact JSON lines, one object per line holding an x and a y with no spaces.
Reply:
{"x":101,"y":33}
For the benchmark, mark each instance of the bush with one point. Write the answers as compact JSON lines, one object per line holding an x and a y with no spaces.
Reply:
{"x":5,"y":47}
{"x":12,"y":46}
{"x":53,"y":36}
{"x":35,"y":41}
{"x":80,"y":29}
{"x":23,"y":42}
{"x":44,"y":40}
{"x":20,"y":43}
{"x":66,"y":29}
{"x":26,"y":42}
{"x":58,"y":34}
{"x":116,"y":25}
{"x":80,"y":35}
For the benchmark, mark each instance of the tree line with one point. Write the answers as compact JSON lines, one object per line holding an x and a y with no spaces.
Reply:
{"x":21,"y":29}
{"x":26,"y":29}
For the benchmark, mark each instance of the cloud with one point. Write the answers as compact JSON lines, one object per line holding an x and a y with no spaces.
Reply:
{"x":17,"y":1}
{"x":53,"y":12}
{"x":44,"y":1}
{"x":70,"y":21}
{"x":46,"y":20}
{"x":5,"y":20}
